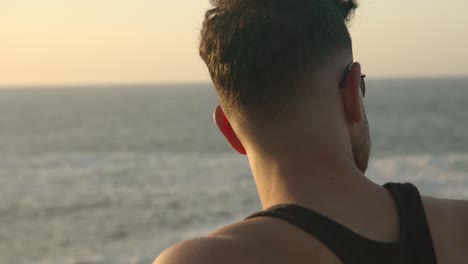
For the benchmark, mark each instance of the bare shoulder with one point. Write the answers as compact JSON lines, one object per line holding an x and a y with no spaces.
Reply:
{"x":261,"y":240}
{"x":226,"y":245}
{"x":447,"y":210}
{"x":205,"y":250}
{"x":448,"y":221}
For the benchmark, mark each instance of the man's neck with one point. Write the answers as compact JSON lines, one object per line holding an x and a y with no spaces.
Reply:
{"x":331,"y":185}
{"x":315,"y":180}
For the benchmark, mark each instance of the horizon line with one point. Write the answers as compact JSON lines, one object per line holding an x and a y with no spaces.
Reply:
{"x":111,"y":84}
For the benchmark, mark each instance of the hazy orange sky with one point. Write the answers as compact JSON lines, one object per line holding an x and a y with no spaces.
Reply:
{"x":140,"y":41}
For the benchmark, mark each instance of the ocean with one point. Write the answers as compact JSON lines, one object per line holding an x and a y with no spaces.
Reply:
{"x":95,"y":175}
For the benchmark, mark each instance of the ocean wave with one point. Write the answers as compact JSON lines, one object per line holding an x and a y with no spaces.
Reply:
{"x":438,"y":175}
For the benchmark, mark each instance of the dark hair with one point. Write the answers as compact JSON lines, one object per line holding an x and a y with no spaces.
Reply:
{"x":254,"y":49}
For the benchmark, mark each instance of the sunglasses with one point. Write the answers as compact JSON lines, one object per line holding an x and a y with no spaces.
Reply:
{"x":345,"y":76}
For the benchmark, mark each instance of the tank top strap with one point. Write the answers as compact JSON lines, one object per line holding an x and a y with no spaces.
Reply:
{"x":415,"y":236}
{"x":348,"y":246}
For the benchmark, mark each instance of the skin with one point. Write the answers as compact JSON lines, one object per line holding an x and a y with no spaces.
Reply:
{"x":315,"y":155}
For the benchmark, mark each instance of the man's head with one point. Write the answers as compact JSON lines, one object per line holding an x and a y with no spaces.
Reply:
{"x":276,"y":63}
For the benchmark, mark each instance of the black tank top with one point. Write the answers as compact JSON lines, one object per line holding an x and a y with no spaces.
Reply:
{"x":414,"y":246}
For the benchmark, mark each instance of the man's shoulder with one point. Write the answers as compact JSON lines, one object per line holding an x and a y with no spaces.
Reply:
{"x":226,"y":245}
{"x":213,"y":249}
{"x":447,"y":210}
{"x":259,"y":240}
{"x":448,"y":220}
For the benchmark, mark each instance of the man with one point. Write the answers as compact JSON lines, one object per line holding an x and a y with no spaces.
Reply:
{"x":291,"y":99}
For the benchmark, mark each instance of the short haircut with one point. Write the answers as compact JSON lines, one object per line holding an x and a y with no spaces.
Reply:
{"x":256,"y":49}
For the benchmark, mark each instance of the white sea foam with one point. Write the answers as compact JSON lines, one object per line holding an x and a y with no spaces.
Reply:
{"x":440,"y":175}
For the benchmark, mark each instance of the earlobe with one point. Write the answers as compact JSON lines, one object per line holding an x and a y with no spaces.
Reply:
{"x":225,"y":127}
{"x":352,"y":94}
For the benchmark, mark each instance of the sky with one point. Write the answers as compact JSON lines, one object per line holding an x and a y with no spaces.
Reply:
{"x":55,"y":42}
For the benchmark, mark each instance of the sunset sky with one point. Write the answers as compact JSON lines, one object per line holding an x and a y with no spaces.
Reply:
{"x":54,"y":42}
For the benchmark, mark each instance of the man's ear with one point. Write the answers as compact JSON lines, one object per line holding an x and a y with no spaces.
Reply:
{"x":225,"y":127}
{"x":351,"y":94}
